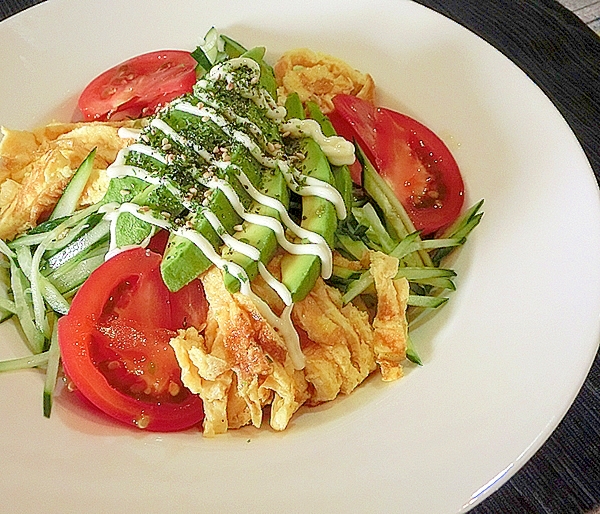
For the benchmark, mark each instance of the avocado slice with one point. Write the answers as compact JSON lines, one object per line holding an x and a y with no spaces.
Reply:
{"x":183,"y":260}
{"x":341,"y":174}
{"x":130,"y":230}
{"x":300,"y":272}
{"x":261,"y":237}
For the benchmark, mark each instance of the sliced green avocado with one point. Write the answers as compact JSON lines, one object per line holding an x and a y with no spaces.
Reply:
{"x":267,"y":76}
{"x":183,"y":261}
{"x":300,"y":272}
{"x":261,"y":237}
{"x":343,"y":179}
{"x":130,"y":230}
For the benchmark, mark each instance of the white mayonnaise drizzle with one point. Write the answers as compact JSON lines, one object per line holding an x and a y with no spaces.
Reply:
{"x":338,"y":151}
{"x":282,"y":324}
{"x":318,"y":246}
{"x":304,"y":186}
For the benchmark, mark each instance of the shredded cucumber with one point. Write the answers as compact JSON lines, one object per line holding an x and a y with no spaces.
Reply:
{"x":33,"y":336}
{"x":31,"y":361}
{"x":51,"y":371}
{"x":69,"y":200}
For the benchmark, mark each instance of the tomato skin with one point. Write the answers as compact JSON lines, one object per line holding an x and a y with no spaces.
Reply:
{"x":413,"y":159}
{"x":102,"y":328}
{"x":347,"y":130}
{"x":139,"y":86}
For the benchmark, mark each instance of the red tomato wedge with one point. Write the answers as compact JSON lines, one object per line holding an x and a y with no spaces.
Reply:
{"x":138,"y":86}
{"x":414,"y":160}
{"x":115,"y":348}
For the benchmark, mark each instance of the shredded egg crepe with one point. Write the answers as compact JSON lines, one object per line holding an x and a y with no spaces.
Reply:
{"x":36,"y":166}
{"x":239,"y":365}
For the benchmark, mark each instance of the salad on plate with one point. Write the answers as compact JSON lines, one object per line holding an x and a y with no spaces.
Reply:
{"x":218,"y":240}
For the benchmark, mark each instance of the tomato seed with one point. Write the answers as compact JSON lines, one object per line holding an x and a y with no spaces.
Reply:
{"x":143,"y":421}
{"x":174,"y":388}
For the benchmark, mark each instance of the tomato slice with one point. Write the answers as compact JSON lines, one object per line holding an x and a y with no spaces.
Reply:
{"x":139,"y":86}
{"x":413,"y":159}
{"x":188,"y":306}
{"x":115,"y":343}
{"x":357,"y":122}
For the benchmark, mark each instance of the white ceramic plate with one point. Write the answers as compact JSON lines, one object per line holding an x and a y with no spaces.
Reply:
{"x":503,"y":361}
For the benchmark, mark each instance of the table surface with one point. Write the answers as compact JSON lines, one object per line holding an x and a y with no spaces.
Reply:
{"x":564,"y":475}
{"x":587,"y":10}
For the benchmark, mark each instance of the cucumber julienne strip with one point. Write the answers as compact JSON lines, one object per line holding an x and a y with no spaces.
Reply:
{"x":8,"y":305}
{"x":30,"y":361}
{"x":70,"y":276}
{"x":69,"y":200}
{"x":5,"y":250}
{"x":459,"y":230}
{"x":20,"y":305}
{"x":51,"y":370}
{"x":33,"y":337}
{"x":35,"y":279}
{"x":353,"y":247}
{"x":63,"y":241}
{"x":431,"y":302}
{"x":411,"y":351}
{"x":393,"y":211}
{"x":367,"y":216}
{"x":41,"y":288}
{"x":80,"y":245}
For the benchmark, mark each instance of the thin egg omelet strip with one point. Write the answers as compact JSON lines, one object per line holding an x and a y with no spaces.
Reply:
{"x":36,"y":166}
{"x":239,"y":366}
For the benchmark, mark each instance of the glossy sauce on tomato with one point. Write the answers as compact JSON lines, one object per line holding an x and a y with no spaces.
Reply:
{"x":414,"y":161}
